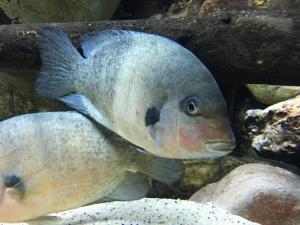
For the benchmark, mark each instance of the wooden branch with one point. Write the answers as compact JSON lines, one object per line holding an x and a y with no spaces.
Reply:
{"x":237,"y":47}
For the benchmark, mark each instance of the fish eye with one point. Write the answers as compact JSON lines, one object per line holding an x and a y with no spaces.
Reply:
{"x":192,"y":106}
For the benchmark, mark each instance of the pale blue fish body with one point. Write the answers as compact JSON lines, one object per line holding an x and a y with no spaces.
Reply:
{"x":146,"y":88}
{"x":51,"y":162}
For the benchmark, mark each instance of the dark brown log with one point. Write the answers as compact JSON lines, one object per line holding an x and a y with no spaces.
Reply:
{"x":238,"y":47}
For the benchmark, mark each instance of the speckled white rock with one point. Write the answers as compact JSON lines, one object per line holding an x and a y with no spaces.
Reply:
{"x":262,"y":193}
{"x":144,"y":212}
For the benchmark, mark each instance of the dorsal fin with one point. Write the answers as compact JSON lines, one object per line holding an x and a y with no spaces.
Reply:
{"x":91,"y":41}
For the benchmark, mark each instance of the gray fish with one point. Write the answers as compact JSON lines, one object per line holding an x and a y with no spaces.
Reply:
{"x":146,"y":88}
{"x":51,"y":162}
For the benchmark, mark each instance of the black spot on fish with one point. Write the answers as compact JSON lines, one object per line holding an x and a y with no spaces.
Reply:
{"x":14,"y":181}
{"x":152,"y":116}
{"x":11,"y":180}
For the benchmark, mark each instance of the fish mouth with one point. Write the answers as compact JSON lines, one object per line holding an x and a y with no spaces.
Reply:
{"x":217,"y":154}
{"x":213,"y":150}
{"x":220,"y":147}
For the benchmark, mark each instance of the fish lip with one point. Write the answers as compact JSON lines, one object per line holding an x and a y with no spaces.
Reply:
{"x":218,"y":153}
{"x":223,"y":147}
{"x":208,"y":154}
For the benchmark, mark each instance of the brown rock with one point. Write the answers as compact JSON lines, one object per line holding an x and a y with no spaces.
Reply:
{"x":3,"y":18}
{"x":140,"y":9}
{"x":199,"y":173}
{"x":224,"y":5}
{"x":37,"y":11}
{"x":275,"y":131}
{"x":16,"y":96}
{"x":251,"y":45}
{"x":261,"y":193}
{"x":182,"y":8}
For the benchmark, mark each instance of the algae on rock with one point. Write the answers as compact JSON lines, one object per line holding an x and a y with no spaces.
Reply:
{"x":32,"y":11}
{"x":16,"y":97}
{"x":17,"y":94}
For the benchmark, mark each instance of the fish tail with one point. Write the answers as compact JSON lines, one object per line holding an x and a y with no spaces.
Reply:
{"x":61,"y":62}
{"x":162,"y":169}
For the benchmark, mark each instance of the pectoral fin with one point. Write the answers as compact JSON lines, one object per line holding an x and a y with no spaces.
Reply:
{"x":83,"y":105}
{"x":163,"y":169}
{"x":135,"y":186}
{"x":46,"y":220}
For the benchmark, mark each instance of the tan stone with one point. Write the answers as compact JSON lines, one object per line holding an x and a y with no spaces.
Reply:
{"x":225,"y":5}
{"x":262,"y":193}
{"x":271,"y":94}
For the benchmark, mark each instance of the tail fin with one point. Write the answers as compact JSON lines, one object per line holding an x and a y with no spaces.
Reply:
{"x":162,"y":169}
{"x":60,"y":63}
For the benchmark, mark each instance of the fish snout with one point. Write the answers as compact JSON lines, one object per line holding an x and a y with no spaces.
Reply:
{"x":220,"y":139}
{"x":208,"y":138}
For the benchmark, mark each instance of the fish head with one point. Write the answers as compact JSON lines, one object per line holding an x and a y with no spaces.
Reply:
{"x":189,"y":117}
{"x":193,"y":130}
